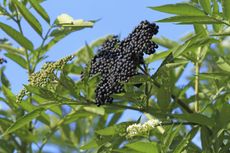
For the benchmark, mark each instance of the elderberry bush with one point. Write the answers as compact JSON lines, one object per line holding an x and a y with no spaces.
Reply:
{"x":117,"y":60}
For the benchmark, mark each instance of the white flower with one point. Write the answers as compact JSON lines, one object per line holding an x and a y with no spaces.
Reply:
{"x":153,"y":123}
{"x":64,"y":19}
{"x":142,"y":129}
{"x":226,"y":42}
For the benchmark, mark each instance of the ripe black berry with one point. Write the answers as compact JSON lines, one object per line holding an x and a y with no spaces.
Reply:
{"x":117,"y":60}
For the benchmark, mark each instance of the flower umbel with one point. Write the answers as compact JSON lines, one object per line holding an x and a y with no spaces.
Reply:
{"x":142,"y":129}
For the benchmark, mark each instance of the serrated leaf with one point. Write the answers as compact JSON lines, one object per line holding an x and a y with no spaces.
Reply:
{"x":29,"y":17}
{"x":223,"y":65}
{"x":184,"y":9}
{"x":176,"y":63}
{"x":3,"y":78}
{"x":201,"y":30}
{"x":185,"y":141}
{"x":107,"y":131}
{"x":50,"y":44}
{"x":157,"y":56}
{"x":125,"y":150}
{"x":139,"y":79}
{"x":84,"y":55}
{"x":17,"y":36}
{"x":224,"y":116}
{"x":10,"y":97}
{"x":180,"y":49}
{"x":40,"y":10}
{"x":89,"y":145}
{"x":18,"y":59}
{"x":42,"y":92}
{"x":95,"y":110}
{"x":169,"y":136}
{"x":115,"y":118}
{"x":196,"y":118}
{"x":221,"y":34}
{"x":205,"y":134}
{"x":206,"y":5}
{"x":143,"y":147}
{"x":165,"y":42}
{"x":11,"y":49}
{"x":218,"y":76}
{"x":191,"y":20}
{"x":23,"y":120}
{"x":226,"y":9}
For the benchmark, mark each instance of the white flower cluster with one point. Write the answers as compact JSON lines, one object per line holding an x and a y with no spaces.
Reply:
{"x":142,"y":129}
{"x":65,"y":20}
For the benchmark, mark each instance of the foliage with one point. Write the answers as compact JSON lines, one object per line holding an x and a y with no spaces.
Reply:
{"x":57,"y":109}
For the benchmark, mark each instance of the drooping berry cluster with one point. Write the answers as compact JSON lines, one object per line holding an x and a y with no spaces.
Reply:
{"x":117,"y":60}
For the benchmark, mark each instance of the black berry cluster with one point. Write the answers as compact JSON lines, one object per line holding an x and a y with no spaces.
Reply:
{"x":117,"y":60}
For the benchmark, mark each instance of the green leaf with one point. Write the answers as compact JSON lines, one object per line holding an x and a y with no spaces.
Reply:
{"x":165,"y":42}
{"x":11,"y":49}
{"x":177,"y":63}
{"x":226,"y":9}
{"x":223,"y":119}
{"x":40,"y":10}
{"x":196,"y":118}
{"x":107,"y":131}
{"x":44,"y":118}
{"x":205,"y":134}
{"x":215,"y":7}
{"x":23,"y":120}
{"x":184,"y":9}
{"x":221,"y":34}
{"x":139,"y":79}
{"x":157,"y":56}
{"x":180,"y":49}
{"x":42,"y":92}
{"x":95,"y":109}
{"x":223,"y":65}
{"x":169,"y":136}
{"x":216,"y":76}
{"x":17,"y":36}
{"x":3,"y":78}
{"x":201,"y":30}
{"x":50,"y":44}
{"x":206,"y":5}
{"x":29,"y":17}
{"x":143,"y":147}
{"x":185,"y":141}
{"x":125,"y":150}
{"x":18,"y":59}
{"x":191,"y":20}
{"x":115,"y":118}
{"x":84,"y":55}
{"x":90,"y":145}
{"x":9,"y":96}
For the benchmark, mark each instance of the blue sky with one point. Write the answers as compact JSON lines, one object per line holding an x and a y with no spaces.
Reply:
{"x":117,"y":17}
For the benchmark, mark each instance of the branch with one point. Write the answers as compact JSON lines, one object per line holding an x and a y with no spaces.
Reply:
{"x":177,"y":100}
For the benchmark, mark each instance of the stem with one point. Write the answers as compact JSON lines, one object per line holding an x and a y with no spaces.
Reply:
{"x":18,"y":21}
{"x":182,"y":104}
{"x":177,"y":100}
{"x":147,"y":91}
{"x":42,"y":45}
{"x":178,"y":123}
{"x":197,"y":71}
{"x":25,"y":145}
